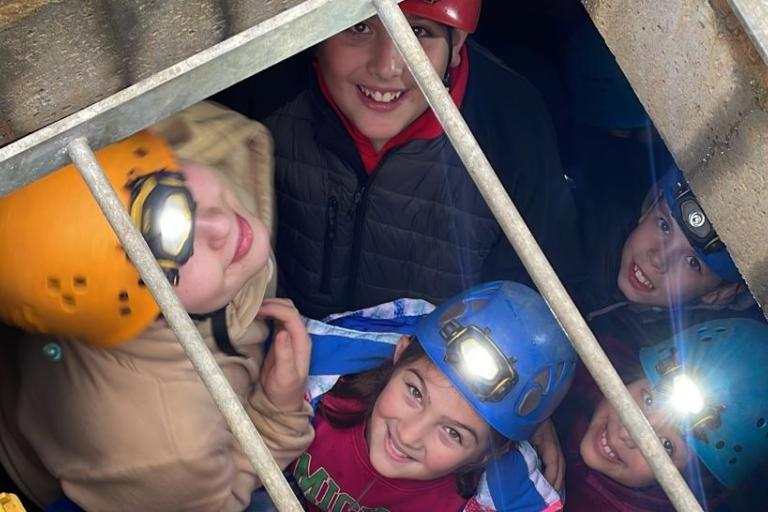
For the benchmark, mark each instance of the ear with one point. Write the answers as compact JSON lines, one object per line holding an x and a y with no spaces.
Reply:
{"x":459,"y":38}
{"x":402,"y":344}
{"x":724,"y":293}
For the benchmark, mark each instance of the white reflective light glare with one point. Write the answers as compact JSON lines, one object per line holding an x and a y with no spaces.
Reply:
{"x":477,"y":359}
{"x":686,"y":396}
{"x":174,"y":223}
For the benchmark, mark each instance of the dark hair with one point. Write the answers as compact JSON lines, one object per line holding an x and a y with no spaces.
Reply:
{"x":366,"y":388}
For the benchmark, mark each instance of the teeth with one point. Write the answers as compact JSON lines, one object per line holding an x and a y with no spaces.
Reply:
{"x":642,"y":278}
{"x":381,"y":97}
{"x":607,"y":449}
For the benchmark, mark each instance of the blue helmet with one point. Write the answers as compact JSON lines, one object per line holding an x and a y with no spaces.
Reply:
{"x":697,"y":227}
{"x":722,"y":365}
{"x":502,"y":348}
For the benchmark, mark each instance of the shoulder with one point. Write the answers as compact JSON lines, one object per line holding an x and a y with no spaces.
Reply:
{"x":301,"y":110}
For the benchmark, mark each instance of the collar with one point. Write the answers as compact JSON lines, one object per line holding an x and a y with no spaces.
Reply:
{"x":424,"y":127}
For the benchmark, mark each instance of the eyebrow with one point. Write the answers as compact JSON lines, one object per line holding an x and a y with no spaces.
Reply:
{"x":451,"y":420}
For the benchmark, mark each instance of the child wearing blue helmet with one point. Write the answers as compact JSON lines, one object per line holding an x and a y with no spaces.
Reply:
{"x":671,"y":270}
{"x":464,"y":385}
{"x":705,"y":392}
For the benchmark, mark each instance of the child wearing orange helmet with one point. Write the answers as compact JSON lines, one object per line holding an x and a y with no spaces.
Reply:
{"x":105,"y":408}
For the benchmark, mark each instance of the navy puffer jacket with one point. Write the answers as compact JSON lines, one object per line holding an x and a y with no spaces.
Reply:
{"x":417,"y":225}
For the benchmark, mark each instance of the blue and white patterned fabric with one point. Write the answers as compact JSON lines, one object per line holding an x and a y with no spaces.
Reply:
{"x":359,"y":340}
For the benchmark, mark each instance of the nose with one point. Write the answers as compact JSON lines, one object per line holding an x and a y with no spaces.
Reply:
{"x":658,"y":256}
{"x":212,"y":227}
{"x":385,"y":62}
{"x":411,"y":432}
{"x":626,"y":438}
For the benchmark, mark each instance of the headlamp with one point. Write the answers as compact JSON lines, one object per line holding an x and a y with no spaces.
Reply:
{"x":692,"y":220}
{"x":163,"y":210}
{"x":472,"y":353}
{"x":686,"y":398}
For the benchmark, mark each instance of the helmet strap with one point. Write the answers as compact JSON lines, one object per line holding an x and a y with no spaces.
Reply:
{"x":219,"y":328}
{"x":447,"y":74}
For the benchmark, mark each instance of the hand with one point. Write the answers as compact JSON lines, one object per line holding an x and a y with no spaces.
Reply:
{"x":548,"y":446}
{"x":284,"y":372}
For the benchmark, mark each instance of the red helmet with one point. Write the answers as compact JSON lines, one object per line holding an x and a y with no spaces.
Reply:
{"x":461,"y":14}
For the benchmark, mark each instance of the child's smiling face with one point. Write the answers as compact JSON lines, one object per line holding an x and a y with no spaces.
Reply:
{"x":231,"y":244}
{"x":608,"y":448}
{"x":421,"y":428}
{"x":368,"y":80}
{"x":658,"y":265}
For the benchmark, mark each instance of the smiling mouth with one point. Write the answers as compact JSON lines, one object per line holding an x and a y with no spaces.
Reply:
{"x":395,"y":453}
{"x":244,"y":238}
{"x":605,"y":448}
{"x":385,"y":97}
{"x":639,"y":280}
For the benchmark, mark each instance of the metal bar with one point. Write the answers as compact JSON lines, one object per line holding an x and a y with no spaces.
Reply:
{"x":533,"y":258}
{"x":178,"y":86}
{"x":240,"y":424}
{"x":753,"y":14}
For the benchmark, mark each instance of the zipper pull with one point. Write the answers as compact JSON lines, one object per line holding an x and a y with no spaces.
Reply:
{"x":333,"y":206}
{"x":355,"y":202}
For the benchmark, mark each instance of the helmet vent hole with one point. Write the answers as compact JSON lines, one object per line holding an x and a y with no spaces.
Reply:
{"x":542,"y":379}
{"x":737,"y":448}
{"x":141,"y":283}
{"x":760,"y":423}
{"x":79,"y":282}
{"x":530,"y":402}
{"x":123,"y":296}
{"x":125,"y":311}
{"x":720,"y":445}
{"x":558,"y":371}
{"x":733,"y":461}
{"x":477,"y":305}
{"x":68,"y":301}
{"x":141,"y":152}
{"x":54,"y":284}
{"x":706,"y":339}
{"x":452,"y":312}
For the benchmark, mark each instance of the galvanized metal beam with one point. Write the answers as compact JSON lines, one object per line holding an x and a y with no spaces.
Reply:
{"x":753,"y":14}
{"x":178,"y":86}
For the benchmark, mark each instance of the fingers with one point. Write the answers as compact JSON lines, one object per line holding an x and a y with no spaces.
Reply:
{"x":284,"y":359}
{"x":548,"y":446}
{"x":290,"y":322}
{"x":285,"y":369}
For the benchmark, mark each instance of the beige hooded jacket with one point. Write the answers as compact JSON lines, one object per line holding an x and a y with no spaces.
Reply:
{"x":133,"y":428}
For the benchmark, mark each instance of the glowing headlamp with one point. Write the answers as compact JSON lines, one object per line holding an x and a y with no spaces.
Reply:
{"x":164,"y":211}
{"x":471,"y":352}
{"x":685,"y":396}
{"x":692,"y":220}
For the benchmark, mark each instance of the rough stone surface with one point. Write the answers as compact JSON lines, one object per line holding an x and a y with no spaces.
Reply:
{"x":706,"y":89}
{"x":59,"y":56}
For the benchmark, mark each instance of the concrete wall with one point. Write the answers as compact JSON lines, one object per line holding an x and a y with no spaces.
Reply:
{"x":58,"y":56}
{"x":706,"y":89}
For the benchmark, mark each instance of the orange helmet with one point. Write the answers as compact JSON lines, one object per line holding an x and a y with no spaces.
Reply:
{"x":62,"y":268}
{"x":461,"y":14}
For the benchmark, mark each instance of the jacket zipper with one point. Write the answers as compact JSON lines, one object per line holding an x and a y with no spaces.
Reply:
{"x":359,"y":207}
{"x":331,"y":211}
